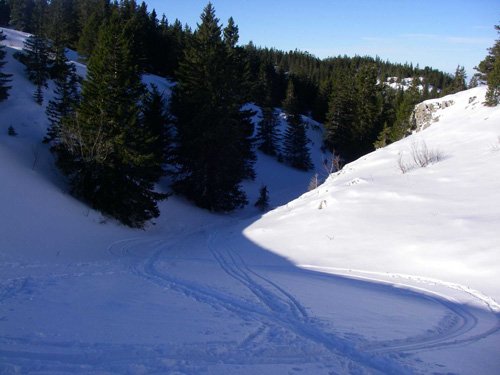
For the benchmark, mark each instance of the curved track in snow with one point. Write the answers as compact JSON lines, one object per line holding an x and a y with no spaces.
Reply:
{"x":275,"y":306}
{"x":285,"y":329}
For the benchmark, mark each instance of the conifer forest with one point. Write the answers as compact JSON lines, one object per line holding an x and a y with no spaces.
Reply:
{"x":115,"y":137}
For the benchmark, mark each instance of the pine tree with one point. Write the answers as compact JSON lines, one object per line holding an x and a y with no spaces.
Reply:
{"x":407,"y":102}
{"x":295,"y":148}
{"x":157,"y":123}
{"x":365,"y":127}
{"x":35,"y":57}
{"x":238,"y":87}
{"x":262,"y":202}
{"x":341,"y":117}
{"x":105,"y":149}
{"x":458,"y":84}
{"x":214,"y":146}
{"x":21,"y":15}
{"x":65,"y":100}
{"x":4,"y":77}
{"x":492,"y":73}
{"x":493,"y":93}
{"x":383,"y":137}
{"x":61,"y":27}
{"x":267,"y":132}
{"x":4,"y":13}
{"x":92,"y":14}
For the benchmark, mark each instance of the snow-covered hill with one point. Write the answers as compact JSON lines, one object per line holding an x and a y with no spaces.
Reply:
{"x":399,"y":272}
{"x":439,"y":221}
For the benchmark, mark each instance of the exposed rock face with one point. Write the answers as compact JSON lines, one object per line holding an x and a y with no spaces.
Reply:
{"x":424,"y":114}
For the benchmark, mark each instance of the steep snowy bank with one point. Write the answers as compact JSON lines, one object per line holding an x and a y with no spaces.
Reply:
{"x":440,"y":222}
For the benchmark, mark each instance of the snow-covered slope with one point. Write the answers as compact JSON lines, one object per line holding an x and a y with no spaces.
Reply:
{"x":439,"y":222}
{"x":199,"y":293}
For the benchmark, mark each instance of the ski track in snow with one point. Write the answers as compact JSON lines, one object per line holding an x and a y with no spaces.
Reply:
{"x":279,"y":316}
{"x":276,"y":307}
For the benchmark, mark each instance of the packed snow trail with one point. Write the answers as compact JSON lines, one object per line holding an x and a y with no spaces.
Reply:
{"x":276,"y":326}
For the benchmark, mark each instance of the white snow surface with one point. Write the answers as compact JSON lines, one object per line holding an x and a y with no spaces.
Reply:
{"x":395,"y":274}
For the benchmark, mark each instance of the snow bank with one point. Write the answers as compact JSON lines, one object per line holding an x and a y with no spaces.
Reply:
{"x":439,"y":222}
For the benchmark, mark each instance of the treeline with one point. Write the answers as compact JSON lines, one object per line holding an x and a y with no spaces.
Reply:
{"x":113,"y":138}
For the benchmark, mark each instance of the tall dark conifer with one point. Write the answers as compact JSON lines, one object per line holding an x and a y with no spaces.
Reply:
{"x":491,"y":70}
{"x":366,"y":127}
{"x":4,"y":13}
{"x":21,"y":15}
{"x":92,"y":14}
{"x":106,"y":149}
{"x":35,"y":56}
{"x":63,"y":105}
{"x":157,"y":123}
{"x":4,"y":77}
{"x":295,"y":142}
{"x":267,"y":131}
{"x":213,"y":133}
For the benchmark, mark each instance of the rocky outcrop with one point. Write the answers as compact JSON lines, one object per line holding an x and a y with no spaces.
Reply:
{"x":424,"y":114}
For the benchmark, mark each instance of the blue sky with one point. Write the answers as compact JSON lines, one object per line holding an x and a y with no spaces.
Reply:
{"x":439,"y":33}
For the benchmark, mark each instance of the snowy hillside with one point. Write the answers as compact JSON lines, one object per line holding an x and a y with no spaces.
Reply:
{"x":440,"y":221}
{"x":398,"y":273}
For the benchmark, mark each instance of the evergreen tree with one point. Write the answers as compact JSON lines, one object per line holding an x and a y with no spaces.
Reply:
{"x":406,"y":105}
{"x":61,"y":28}
{"x":35,"y":57}
{"x":4,"y":77}
{"x":157,"y":122}
{"x":262,"y":202}
{"x":340,"y":118}
{"x":21,"y":15}
{"x":213,"y":133}
{"x":62,"y":106}
{"x":93,"y":13}
{"x":4,"y":13}
{"x":295,"y":148}
{"x":267,"y":132}
{"x":365,"y":127}
{"x":105,"y":148}
{"x":383,"y":137}
{"x":458,"y":84}
{"x":237,"y":86}
{"x":492,"y":72}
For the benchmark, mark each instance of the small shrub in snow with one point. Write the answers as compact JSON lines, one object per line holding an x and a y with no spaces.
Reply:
{"x":421,"y":156}
{"x":403,"y":165}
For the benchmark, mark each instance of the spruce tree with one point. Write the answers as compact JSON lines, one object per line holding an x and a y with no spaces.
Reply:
{"x":493,"y":74}
{"x":35,"y":57}
{"x":341,"y":117}
{"x":365,"y":127}
{"x":106,"y":148}
{"x":262,"y":202}
{"x":62,"y":106}
{"x":4,"y":13}
{"x":295,"y":148}
{"x":267,"y":132}
{"x":61,"y":28}
{"x":4,"y":77}
{"x":493,"y":93}
{"x":21,"y":15}
{"x":157,"y":122}
{"x":458,"y":84}
{"x":92,"y":14}
{"x":213,"y":151}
